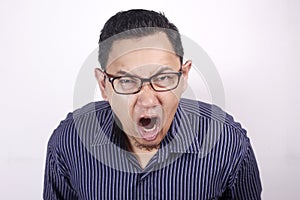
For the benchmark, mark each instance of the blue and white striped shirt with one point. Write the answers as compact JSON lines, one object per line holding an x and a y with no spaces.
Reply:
{"x":205,"y":155}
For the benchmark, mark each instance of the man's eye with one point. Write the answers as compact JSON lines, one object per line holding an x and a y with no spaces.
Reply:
{"x":127,"y":81}
{"x":163,"y":78}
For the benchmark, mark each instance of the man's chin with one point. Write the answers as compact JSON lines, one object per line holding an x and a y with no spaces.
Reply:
{"x":148,"y":145}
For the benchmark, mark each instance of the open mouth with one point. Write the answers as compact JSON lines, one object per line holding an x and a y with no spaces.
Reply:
{"x":148,"y":127}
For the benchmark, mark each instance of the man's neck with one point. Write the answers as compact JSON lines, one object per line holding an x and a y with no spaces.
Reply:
{"x":143,"y":156}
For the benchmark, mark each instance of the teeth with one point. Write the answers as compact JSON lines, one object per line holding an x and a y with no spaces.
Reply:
{"x":149,"y":130}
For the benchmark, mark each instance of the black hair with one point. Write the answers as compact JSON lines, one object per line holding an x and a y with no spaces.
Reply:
{"x":133,"y":24}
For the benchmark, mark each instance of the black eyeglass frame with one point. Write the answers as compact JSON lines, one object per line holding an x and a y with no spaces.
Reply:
{"x":111,"y":78}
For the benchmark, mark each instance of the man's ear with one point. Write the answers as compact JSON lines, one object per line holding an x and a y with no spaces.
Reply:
{"x":100,"y":77}
{"x":185,"y":72}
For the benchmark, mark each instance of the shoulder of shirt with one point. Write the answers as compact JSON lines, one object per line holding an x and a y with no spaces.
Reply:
{"x":90,"y":108}
{"x":67,"y":127}
{"x":211,"y":112}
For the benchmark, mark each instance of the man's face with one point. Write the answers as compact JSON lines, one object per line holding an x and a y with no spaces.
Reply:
{"x":147,"y":115}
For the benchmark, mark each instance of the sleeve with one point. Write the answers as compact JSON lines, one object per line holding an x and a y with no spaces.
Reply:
{"x":56,"y":182}
{"x":247,"y":183}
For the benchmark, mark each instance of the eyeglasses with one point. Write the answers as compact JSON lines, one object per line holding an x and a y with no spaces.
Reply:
{"x":131,"y":84}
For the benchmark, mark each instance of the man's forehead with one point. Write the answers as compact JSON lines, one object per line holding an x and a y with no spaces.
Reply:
{"x":157,"y":41}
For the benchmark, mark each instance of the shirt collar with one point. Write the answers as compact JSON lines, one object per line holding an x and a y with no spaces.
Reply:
{"x":181,"y":138}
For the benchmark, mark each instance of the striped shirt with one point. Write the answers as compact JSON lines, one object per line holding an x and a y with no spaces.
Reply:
{"x":205,"y":155}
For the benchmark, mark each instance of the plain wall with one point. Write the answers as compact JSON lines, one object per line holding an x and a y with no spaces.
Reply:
{"x":254,"y":45}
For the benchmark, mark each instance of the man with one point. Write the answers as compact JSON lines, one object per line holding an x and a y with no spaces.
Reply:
{"x":144,"y":141}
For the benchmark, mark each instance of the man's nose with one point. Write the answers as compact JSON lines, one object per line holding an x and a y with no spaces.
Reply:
{"x":147,"y":97}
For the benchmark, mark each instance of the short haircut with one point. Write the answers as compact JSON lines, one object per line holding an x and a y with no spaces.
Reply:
{"x":136,"y":23}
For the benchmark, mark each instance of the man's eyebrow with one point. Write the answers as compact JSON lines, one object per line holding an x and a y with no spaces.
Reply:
{"x":164,"y":68}
{"x":122,"y":72}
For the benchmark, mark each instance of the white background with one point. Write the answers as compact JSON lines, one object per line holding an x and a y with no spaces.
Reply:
{"x":255,"y":46}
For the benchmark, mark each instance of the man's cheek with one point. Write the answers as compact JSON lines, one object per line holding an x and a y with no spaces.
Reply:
{"x":122,"y":106}
{"x":119,"y":101}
